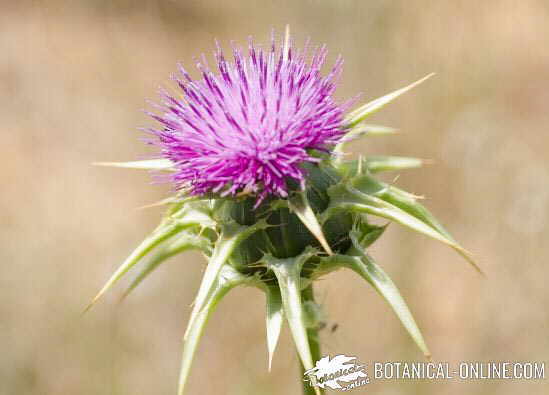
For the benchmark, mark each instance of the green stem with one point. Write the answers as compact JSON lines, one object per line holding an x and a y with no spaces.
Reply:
{"x":314,"y":343}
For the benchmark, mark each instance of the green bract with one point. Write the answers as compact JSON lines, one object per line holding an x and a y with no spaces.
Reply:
{"x":284,"y":245}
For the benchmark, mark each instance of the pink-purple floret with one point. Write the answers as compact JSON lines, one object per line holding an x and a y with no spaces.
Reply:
{"x":249,"y":127}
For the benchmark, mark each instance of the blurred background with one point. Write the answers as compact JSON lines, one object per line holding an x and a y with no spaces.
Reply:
{"x":73,"y":79}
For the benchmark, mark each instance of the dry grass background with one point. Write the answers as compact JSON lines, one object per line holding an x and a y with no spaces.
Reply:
{"x":73,"y":77}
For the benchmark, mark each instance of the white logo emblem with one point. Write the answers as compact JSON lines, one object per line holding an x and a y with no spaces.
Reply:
{"x":329,"y":372}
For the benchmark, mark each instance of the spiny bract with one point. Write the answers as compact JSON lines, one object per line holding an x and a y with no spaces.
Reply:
{"x":267,"y":195}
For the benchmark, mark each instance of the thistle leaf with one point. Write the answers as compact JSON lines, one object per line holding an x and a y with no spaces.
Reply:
{"x":288,"y":274}
{"x":368,"y":109}
{"x":349,"y":198}
{"x":409,"y":204}
{"x":299,"y":204}
{"x":365,"y":267}
{"x":181,"y":244}
{"x":161,"y":234}
{"x":375,"y":130}
{"x":226,"y":279}
{"x":232,"y":234}
{"x":369,"y":233}
{"x":376,"y":164}
{"x":149,"y":164}
{"x":192,"y":214}
{"x":188,"y":216}
{"x":362,"y":130}
{"x":273,"y":318}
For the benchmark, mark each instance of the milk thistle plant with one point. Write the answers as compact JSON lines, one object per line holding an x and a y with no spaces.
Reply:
{"x":265,"y":192}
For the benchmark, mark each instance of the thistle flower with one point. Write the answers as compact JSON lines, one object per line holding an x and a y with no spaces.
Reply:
{"x":249,"y":128}
{"x":264,"y":191}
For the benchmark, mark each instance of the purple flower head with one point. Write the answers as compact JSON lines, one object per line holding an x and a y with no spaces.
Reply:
{"x":249,"y":127}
